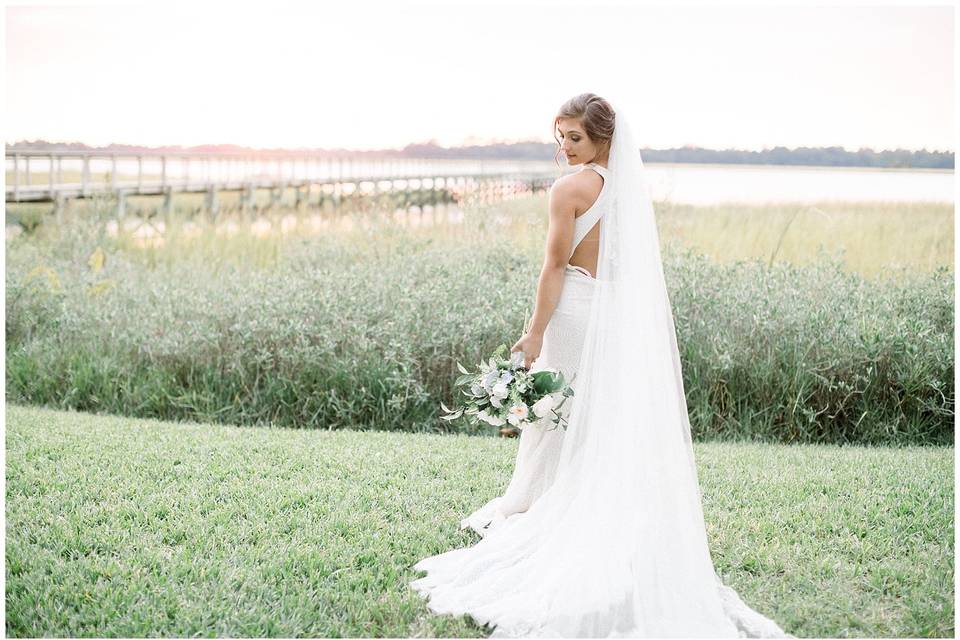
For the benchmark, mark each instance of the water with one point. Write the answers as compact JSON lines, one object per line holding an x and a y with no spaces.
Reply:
{"x":679,"y":183}
{"x":712,"y":184}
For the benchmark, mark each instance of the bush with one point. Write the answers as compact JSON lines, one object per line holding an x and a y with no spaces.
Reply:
{"x":363,"y":329}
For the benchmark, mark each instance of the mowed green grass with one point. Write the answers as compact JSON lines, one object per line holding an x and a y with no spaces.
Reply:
{"x":129,"y":527}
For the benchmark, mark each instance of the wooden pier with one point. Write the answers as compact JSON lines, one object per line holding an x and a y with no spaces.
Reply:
{"x":56,"y":176}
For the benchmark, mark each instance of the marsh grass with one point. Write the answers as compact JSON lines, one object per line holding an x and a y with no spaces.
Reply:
{"x":871,"y":239}
{"x":133,"y":528}
{"x":868,"y":238}
{"x":358,"y":321}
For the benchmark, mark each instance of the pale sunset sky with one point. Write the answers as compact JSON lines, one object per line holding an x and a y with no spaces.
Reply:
{"x":366,"y":75}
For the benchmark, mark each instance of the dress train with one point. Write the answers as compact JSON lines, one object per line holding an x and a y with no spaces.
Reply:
{"x":550,"y":562}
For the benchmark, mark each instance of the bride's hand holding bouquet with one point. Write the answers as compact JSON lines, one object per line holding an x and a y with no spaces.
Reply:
{"x":529,"y":345}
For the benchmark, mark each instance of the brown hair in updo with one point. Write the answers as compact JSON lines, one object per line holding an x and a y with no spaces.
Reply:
{"x":595,"y":114}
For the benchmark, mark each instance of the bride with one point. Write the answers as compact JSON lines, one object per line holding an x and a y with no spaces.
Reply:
{"x":557,"y":328}
{"x":600,"y":532}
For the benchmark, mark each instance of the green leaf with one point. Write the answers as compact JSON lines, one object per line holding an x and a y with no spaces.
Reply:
{"x":545,"y":382}
{"x":461,"y":368}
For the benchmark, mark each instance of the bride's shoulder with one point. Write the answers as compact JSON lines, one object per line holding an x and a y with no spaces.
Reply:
{"x":577,"y":182}
{"x":571,"y":194}
{"x":577,"y":186}
{"x":564,"y":194}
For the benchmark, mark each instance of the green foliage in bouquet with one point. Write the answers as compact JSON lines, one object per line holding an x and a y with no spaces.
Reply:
{"x":502,"y":391}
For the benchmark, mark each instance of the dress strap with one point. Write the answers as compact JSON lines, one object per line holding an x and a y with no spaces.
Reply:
{"x":602,"y":170}
{"x":586,"y":221}
{"x":584,"y":224}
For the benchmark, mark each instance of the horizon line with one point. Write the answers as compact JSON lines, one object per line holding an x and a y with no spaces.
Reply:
{"x":464,"y":145}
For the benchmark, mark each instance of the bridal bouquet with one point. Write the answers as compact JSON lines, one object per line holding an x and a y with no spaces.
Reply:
{"x":502,"y":391}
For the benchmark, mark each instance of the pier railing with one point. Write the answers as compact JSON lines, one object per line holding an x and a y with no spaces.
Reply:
{"x":52,"y":176}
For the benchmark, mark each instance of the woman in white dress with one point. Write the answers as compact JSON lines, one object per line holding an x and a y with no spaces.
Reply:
{"x":600,"y":532}
{"x":557,"y":328}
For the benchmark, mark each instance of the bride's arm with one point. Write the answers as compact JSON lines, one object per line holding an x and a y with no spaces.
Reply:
{"x":563,"y":197}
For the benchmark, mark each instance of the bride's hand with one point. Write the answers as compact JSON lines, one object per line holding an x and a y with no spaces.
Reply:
{"x":530,"y":344}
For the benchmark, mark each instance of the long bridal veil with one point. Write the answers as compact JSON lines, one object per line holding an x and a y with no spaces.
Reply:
{"x":617,"y":546}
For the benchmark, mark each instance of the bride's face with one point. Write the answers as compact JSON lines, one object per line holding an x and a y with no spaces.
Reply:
{"x":574,"y":142}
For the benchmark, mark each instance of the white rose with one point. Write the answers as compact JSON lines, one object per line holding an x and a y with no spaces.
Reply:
{"x":499,"y":390}
{"x":544,"y":406}
{"x":518,"y":413}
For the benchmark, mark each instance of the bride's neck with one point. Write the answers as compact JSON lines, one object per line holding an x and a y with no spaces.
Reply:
{"x":602,"y":160}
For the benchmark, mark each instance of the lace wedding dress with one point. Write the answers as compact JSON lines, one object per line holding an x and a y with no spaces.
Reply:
{"x":539,"y":449}
{"x":559,"y":555}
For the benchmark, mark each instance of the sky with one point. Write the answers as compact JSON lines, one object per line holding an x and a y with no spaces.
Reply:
{"x":364,"y":75}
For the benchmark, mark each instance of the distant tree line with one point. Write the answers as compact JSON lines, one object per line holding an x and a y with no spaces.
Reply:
{"x":814,"y":156}
{"x":808,"y":156}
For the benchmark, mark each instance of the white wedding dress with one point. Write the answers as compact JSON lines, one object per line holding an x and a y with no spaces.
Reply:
{"x":540,"y":446}
{"x":534,"y":576}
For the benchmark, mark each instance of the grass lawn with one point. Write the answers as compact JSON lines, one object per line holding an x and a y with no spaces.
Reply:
{"x":127,"y":527}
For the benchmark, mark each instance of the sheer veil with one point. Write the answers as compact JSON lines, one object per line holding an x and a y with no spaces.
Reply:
{"x":617,"y":546}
